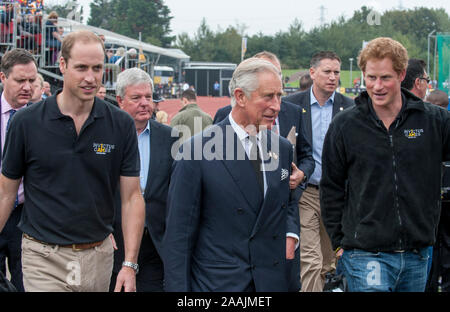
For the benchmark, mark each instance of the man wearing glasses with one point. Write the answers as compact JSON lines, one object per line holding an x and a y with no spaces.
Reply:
{"x":416,"y":79}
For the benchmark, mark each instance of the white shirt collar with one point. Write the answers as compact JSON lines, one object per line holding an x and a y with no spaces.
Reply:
{"x":242,"y":135}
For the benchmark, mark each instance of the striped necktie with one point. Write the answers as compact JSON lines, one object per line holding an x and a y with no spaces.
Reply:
{"x":11,"y":113}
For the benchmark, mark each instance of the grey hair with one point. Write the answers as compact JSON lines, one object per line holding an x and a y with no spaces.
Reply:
{"x":246,"y":77}
{"x":131,"y":77}
{"x":41,"y":79}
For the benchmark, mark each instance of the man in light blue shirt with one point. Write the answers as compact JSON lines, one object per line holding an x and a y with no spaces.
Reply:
{"x":321,"y":116}
{"x":319,"y":105}
{"x":135,"y":96}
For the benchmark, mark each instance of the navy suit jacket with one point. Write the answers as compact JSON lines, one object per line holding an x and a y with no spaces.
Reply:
{"x":222,"y":234}
{"x":155,"y":194}
{"x":290,"y":115}
{"x":303,"y":99}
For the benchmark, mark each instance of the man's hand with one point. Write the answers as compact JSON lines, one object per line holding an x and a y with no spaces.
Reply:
{"x":339,"y":253}
{"x":113,"y":241}
{"x":296,"y":177}
{"x":126,"y":279}
{"x":290,"y":247}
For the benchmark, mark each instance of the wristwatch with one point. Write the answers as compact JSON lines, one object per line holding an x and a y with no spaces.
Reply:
{"x":132,"y":265}
{"x":304,"y":178}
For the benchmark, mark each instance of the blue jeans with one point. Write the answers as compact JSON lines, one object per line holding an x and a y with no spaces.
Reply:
{"x":385,"y":271}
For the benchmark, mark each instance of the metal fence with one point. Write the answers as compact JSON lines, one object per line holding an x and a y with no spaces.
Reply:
{"x":25,"y":27}
{"x":29,"y":28}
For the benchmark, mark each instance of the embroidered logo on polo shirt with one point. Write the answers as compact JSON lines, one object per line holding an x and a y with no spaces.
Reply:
{"x":102,"y":148}
{"x":413,"y":133}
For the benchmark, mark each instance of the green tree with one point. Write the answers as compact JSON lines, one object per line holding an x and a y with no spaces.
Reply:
{"x":102,"y":13}
{"x":68,"y":9}
{"x":294,"y":46}
{"x":131,"y":17}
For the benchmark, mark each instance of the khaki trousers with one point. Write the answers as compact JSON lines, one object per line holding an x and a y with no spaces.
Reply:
{"x":316,"y":253}
{"x":51,"y":268}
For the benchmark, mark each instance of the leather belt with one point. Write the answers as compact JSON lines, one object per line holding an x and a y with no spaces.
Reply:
{"x":75,"y":247}
{"x":313,"y":186}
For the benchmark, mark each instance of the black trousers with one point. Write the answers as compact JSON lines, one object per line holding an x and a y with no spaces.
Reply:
{"x":441,"y":254}
{"x":11,"y":248}
{"x":151,"y":272}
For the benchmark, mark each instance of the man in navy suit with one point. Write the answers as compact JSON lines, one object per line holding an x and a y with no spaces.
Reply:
{"x":319,"y":105}
{"x":289,"y":117}
{"x":134,"y":95}
{"x":231,"y":220}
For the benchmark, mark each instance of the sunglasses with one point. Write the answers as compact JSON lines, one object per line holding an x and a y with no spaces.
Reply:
{"x":426,"y":79}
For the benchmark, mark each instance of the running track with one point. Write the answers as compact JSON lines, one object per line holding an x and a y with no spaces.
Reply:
{"x":208,"y":104}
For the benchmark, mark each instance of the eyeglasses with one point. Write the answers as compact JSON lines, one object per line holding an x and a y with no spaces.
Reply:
{"x":426,"y":79}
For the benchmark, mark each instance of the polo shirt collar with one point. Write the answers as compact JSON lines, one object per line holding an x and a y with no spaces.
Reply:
{"x":98,"y":109}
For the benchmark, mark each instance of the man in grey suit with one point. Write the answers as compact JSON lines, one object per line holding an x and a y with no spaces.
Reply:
{"x":231,"y":219}
{"x":319,"y":105}
{"x":134,"y":95}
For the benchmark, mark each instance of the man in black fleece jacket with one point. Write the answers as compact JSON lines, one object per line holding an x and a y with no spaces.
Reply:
{"x":381,"y":179}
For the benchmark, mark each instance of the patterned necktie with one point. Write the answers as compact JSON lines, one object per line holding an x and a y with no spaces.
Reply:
{"x":255,"y":159}
{"x":11,"y":113}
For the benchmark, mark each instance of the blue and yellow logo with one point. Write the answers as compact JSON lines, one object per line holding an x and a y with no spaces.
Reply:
{"x":102,"y":148}
{"x":413,"y":133}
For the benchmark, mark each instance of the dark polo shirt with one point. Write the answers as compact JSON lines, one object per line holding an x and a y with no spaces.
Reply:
{"x":70,"y":179}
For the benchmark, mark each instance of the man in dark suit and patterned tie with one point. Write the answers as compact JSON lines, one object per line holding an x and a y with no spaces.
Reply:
{"x":319,"y":105}
{"x":289,"y":118}
{"x":232,"y":221}
{"x":134,"y":95}
{"x":18,"y":73}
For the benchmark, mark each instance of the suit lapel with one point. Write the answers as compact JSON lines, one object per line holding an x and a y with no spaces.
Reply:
{"x":241,"y":169}
{"x":155,"y":157}
{"x":306,"y":114}
{"x":282,"y":121}
{"x":272,"y":179}
{"x":337,"y":105}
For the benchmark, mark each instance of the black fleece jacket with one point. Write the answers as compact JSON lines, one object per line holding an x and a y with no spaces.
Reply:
{"x":381,"y":188}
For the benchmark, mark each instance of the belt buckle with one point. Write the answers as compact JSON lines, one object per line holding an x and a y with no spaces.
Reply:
{"x":74,"y":248}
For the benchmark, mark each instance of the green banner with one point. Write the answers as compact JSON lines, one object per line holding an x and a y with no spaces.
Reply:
{"x":443,"y":47}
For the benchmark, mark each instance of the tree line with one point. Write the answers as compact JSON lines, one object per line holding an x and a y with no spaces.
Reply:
{"x":294,"y":46}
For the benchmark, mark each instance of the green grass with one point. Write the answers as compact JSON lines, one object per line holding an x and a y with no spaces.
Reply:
{"x":345,"y":77}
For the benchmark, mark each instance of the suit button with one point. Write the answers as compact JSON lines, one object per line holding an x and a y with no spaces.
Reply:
{"x":275,"y":263}
{"x":283,"y":206}
{"x":240,"y":211}
{"x":274,"y":237}
{"x":253,"y":267}
{"x":251,"y":238}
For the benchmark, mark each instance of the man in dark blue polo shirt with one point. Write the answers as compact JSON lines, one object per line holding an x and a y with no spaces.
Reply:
{"x":73,"y":150}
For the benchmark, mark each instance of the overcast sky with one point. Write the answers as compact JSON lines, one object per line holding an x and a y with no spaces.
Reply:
{"x":269,"y":16}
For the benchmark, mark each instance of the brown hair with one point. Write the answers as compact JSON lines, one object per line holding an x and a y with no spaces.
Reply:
{"x":322,"y":55}
{"x":15,"y":57}
{"x":439,"y":98}
{"x":189,"y":95}
{"x":53,"y":15}
{"x":85,"y":36}
{"x":381,"y":48}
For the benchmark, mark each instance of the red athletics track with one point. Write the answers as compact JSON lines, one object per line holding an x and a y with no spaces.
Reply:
{"x":208,"y":104}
